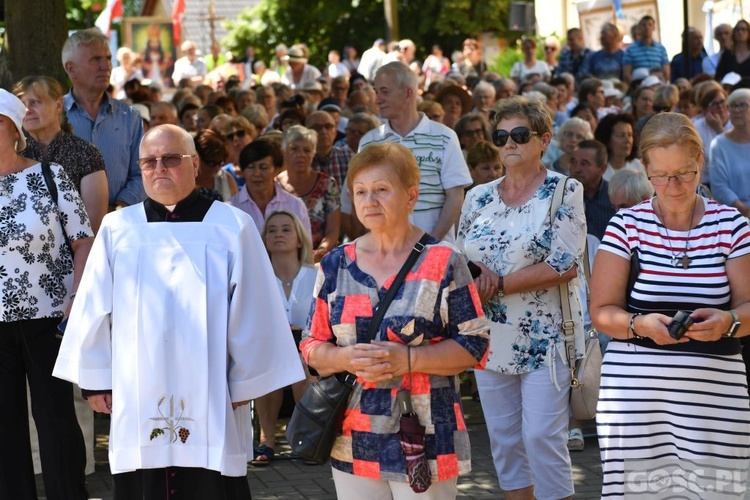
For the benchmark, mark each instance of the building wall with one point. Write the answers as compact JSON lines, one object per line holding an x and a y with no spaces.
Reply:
{"x":195,"y":25}
{"x":557,"y":16}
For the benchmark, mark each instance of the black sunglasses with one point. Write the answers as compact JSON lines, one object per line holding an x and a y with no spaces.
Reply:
{"x":239,"y":133}
{"x":520,"y":135}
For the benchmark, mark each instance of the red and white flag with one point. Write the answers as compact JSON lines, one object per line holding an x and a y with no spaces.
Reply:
{"x":113,"y":10}
{"x":178,"y":12}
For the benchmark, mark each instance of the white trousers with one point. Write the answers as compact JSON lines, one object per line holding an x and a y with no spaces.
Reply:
{"x":351,"y":487}
{"x":527,"y":420}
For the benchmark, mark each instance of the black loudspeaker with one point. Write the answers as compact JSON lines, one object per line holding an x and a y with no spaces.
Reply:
{"x":521,"y":16}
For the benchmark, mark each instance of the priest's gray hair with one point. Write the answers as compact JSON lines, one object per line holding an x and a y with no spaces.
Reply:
{"x":179,"y":134}
{"x":299,"y":133}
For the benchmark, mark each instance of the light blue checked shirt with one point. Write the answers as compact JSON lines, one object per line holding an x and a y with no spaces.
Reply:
{"x":117,"y":132}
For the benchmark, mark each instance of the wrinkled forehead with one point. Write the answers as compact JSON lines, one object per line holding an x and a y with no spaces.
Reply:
{"x":161,"y":140}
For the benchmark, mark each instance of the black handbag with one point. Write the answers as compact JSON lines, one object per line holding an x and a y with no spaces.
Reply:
{"x":317,"y":417}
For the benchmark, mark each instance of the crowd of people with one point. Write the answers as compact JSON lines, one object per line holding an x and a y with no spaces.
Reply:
{"x":299,"y":193}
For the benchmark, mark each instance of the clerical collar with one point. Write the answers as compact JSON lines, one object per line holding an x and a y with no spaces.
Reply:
{"x":192,"y":208}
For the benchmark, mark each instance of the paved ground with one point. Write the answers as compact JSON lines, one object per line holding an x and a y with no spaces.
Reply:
{"x":288,"y":478}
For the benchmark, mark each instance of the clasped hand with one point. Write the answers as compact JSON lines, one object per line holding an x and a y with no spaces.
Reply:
{"x":377,"y":361}
{"x":486,"y":283}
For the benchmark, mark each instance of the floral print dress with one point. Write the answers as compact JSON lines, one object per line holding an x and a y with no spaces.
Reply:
{"x":525,"y":327}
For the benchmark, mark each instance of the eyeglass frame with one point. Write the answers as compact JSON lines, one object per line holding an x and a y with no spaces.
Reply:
{"x":237,"y":133}
{"x":691,"y":173}
{"x":155,"y":160}
{"x":523,"y":130}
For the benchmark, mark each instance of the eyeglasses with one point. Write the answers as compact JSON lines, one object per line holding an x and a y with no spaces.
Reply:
{"x":260,"y":167}
{"x":169,"y":161}
{"x":240,"y":134}
{"x":549,"y":49}
{"x":738,"y":106}
{"x":717,"y":104}
{"x":663,"y":180}
{"x":323,"y":126}
{"x":354,"y":131}
{"x":520,"y":135}
{"x":474,"y":133}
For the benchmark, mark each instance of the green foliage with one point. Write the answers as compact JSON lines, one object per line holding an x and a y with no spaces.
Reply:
{"x":331,"y":24}
{"x":511,"y":54}
{"x":81,"y":14}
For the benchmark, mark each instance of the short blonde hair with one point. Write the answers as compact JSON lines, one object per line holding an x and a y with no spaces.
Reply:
{"x":665,"y":129}
{"x":304,"y":254}
{"x":392,"y":154}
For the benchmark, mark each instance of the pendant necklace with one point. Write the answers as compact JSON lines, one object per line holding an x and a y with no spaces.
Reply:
{"x":684,"y":260}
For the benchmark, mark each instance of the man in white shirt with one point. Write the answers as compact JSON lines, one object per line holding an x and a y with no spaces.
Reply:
{"x":372,"y":59}
{"x":443,"y":170}
{"x":189,"y":66}
{"x":174,"y":329}
{"x":723,"y":35}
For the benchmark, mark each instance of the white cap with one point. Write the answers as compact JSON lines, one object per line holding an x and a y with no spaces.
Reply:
{"x":650,"y":81}
{"x":612,"y":92}
{"x":731,"y":78}
{"x":12,"y":107}
{"x":142,"y":110}
{"x":640,"y":73}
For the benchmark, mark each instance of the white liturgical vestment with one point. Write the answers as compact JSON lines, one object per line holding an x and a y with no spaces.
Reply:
{"x":179,"y":320}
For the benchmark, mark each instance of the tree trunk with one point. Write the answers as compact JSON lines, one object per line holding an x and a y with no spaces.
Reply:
{"x":35,"y":33}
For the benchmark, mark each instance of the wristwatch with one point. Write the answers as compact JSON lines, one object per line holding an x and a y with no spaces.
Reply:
{"x":500,"y":286}
{"x":735,"y":325}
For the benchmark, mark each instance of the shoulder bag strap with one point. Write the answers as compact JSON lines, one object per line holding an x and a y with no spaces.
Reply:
{"x":52,"y":188}
{"x":568,"y":324}
{"x":382,"y":306}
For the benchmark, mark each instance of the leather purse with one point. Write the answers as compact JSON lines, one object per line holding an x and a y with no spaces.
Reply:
{"x":585,"y":373}
{"x":317,"y":418}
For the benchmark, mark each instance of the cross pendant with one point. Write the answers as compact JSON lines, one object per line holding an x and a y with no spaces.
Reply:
{"x":685,"y":261}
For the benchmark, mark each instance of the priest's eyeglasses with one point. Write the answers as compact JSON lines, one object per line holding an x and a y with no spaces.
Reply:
{"x":169,"y":161}
{"x":682,"y":178}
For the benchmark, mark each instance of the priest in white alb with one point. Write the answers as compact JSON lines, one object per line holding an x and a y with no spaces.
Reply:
{"x":177,"y":323}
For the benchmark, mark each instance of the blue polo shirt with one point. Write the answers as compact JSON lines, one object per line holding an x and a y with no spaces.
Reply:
{"x":651,"y":56}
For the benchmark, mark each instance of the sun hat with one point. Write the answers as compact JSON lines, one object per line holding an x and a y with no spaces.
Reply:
{"x":12,"y":107}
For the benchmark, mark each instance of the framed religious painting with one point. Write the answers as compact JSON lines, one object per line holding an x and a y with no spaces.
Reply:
{"x":151,"y":40}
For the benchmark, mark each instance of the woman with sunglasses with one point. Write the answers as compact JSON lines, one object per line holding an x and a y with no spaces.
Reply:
{"x":673,"y":396}
{"x":530,"y":64}
{"x":505,"y":229}
{"x":213,"y":182}
{"x":239,"y":133}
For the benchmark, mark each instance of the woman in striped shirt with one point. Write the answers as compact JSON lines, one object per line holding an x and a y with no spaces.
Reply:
{"x":673,"y":415}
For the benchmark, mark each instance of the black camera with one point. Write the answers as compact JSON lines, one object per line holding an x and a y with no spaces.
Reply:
{"x":680,"y":324}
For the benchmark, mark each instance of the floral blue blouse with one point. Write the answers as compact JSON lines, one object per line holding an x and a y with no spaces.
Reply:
{"x":525,"y":327}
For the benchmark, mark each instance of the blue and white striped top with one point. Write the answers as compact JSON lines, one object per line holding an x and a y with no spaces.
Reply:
{"x":645,"y":56}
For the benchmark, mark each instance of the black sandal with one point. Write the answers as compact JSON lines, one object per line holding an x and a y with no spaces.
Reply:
{"x":262,"y":451}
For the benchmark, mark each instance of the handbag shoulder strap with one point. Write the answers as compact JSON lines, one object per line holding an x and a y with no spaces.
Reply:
{"x":52,"y":188}
{"x":568,"y":324}
{"x":382,"y":306}
{"x":49,"y":181}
